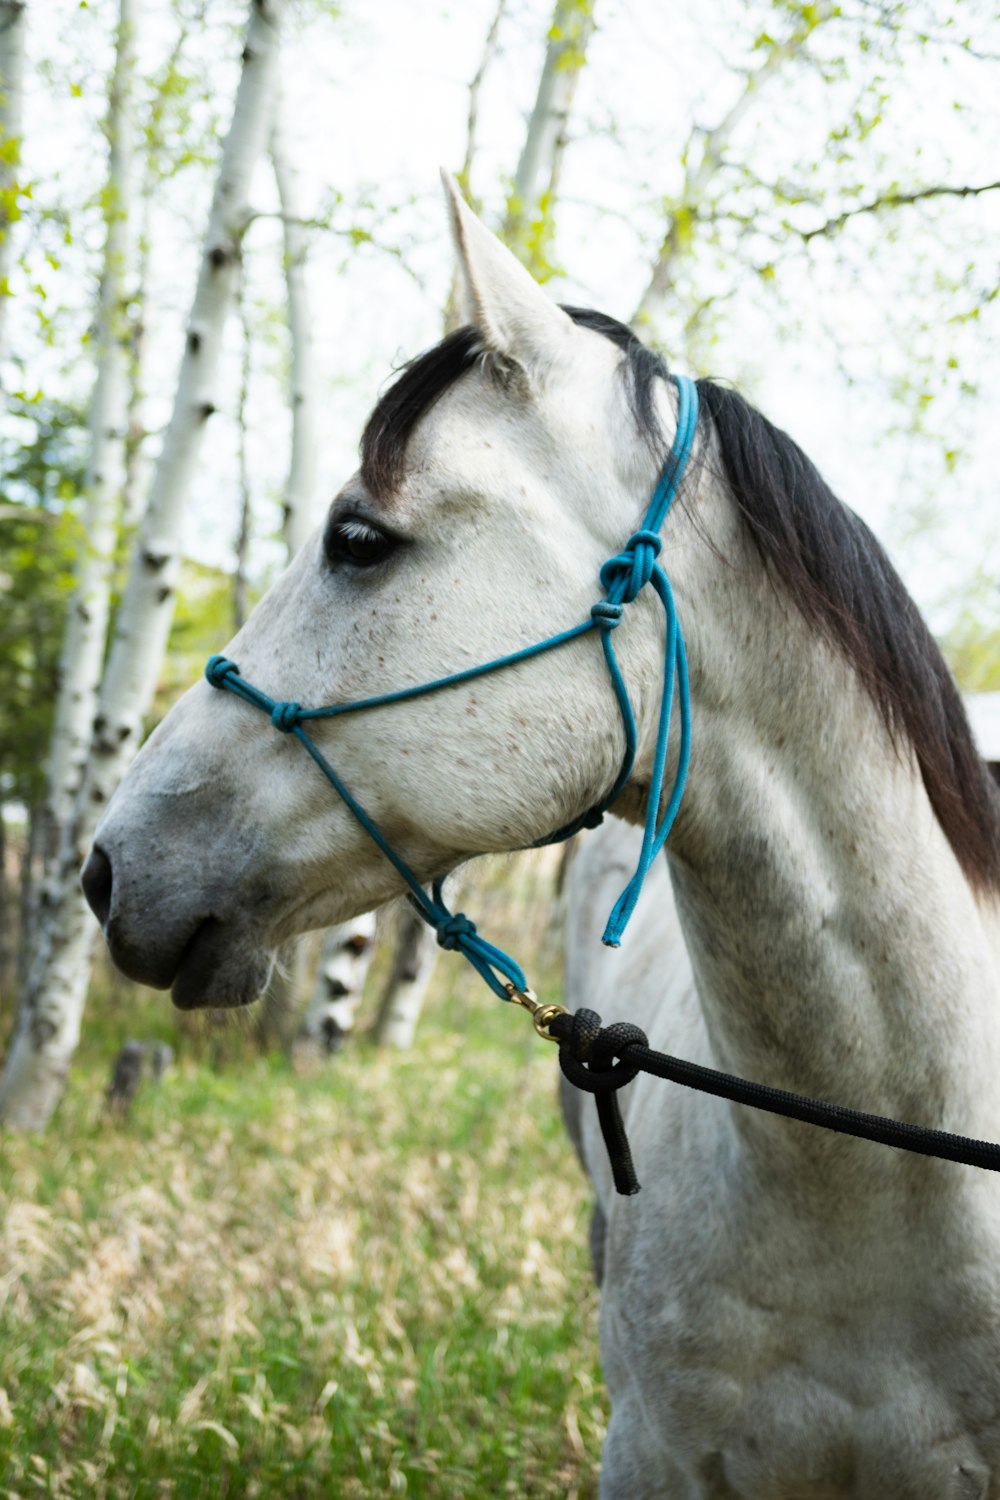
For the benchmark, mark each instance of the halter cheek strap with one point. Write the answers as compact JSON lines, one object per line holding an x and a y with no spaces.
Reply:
{"x":623,"y":578}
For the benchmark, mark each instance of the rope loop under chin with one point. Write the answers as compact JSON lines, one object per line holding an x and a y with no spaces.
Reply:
{"x":453,"y":929}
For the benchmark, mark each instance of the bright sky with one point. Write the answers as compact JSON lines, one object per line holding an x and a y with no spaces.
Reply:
{"x":984,"y":716}
{"x":378,"y":97}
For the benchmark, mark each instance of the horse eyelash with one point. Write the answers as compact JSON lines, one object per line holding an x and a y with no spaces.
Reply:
{"x":356,"y":530}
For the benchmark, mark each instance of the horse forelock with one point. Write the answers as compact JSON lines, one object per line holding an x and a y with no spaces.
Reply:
{"x":421,"y":382}
{"x":417,"y":386}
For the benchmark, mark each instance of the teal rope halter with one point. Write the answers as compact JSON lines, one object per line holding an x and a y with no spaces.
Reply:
{"x":623,"y":578}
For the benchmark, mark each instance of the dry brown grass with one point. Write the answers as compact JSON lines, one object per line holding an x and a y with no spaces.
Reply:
{"x":367,"y":1280}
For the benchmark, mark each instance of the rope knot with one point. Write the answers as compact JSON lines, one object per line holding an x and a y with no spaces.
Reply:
{"x":633,"y":567}
{"x":453,"y":929}
{"x":218,"y":668}
{"x":285,"y":716}
{"x":587,"y":1052}
{"x":606,"y":615}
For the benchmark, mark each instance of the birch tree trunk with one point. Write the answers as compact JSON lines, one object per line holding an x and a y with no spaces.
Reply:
{"x":704,"y":164}
{"x":49,"y":1023}
{"x":87,"y":620}
{"x":133,"y":491}
{"x":141,"y":630}
{"x":7,"y":912}
{"x":241,"y":601}
{"x":300,"y":491}
{"x":348,"y":950}
{"x":29,"y":885}
{"x":528,"y":226}
{"x":408,"y":984}
{"x":13,"y":28}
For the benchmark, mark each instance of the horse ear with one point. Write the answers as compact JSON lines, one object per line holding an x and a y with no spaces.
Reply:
{"x":512,"y":313}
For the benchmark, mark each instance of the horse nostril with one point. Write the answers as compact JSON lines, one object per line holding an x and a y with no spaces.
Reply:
{"x":97,"y":878}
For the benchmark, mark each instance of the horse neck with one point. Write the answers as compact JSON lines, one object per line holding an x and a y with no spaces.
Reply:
{"x":837,"y":947}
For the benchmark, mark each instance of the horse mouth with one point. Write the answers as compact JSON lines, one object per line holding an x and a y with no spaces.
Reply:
{"x":220,"y":969}
{"x":204,"y":959}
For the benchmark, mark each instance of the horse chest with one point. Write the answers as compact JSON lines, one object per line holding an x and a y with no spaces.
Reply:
{"x":788,"y":1360}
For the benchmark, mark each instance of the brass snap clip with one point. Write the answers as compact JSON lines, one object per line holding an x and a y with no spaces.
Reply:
{"x":542,"y":1016}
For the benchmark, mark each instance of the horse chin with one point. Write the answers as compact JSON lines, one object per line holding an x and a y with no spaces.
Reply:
{"x":214,"y":971}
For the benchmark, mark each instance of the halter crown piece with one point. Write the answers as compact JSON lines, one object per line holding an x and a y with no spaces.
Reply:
{"x":623,"y":578}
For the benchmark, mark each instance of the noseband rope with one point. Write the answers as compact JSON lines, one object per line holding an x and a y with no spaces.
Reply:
{"x":587,"y":1050}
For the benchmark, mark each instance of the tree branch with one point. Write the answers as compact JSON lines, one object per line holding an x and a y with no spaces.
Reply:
{"x":358,"y":237}
{"x":895,"y":200}
{"x":475,"y":88}
{"x":528,"y":222}
{"x":452,"y":307}
{"x":714,"y":143}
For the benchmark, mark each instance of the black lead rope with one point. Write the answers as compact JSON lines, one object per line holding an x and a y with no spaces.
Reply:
{"x":587,"y":1053}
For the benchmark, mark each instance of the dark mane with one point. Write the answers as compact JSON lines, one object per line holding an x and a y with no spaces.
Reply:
{"x":828,"y":562}
{"x":840,"y":579}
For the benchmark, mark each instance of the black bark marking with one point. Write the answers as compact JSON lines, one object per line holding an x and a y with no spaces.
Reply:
{"x":42,"y":1031}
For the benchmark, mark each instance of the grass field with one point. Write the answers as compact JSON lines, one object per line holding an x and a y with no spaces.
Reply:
{"x":367,"y":1279}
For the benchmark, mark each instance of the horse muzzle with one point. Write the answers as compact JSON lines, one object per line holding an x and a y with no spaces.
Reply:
{"x":203,"y":954}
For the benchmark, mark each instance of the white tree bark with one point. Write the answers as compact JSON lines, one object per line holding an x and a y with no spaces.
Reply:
{"x":408,"y":984}
{"x":134,"y":479}
{"x":141,"y":630}
{"x":13,"y":28}
{"x":135,"y":487}
{"x":536,"y":182}
{"x":300,"y":491}
{"x":87,"y":620}
{"x":241,"y":594}
{"x":332,"y":1011}
{"x":49,"y":1022}
{"x":704,"y":164}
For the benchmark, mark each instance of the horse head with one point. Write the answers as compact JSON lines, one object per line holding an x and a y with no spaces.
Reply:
{"x":498,"y":474}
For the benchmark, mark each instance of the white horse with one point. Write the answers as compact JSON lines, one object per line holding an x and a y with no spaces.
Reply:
{"x":786,"y":1314}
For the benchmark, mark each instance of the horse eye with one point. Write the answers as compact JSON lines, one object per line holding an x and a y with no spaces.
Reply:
{"x":357,"y":543}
